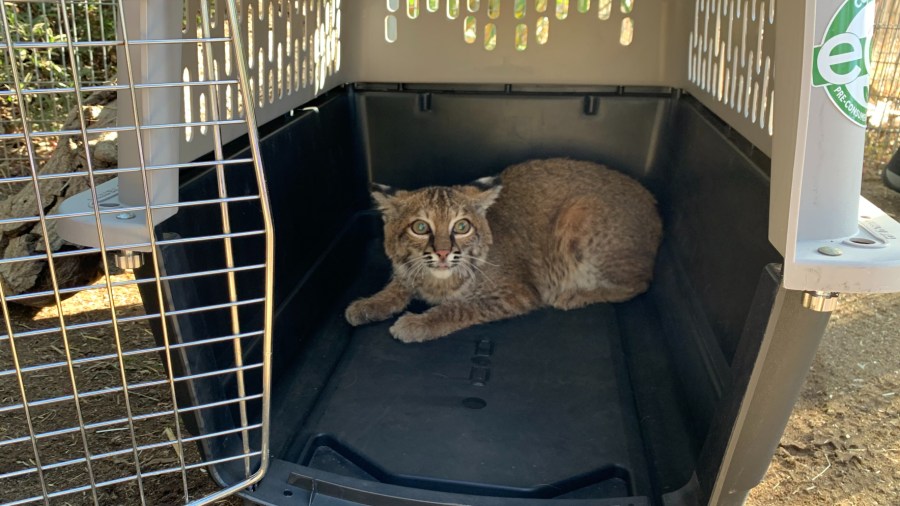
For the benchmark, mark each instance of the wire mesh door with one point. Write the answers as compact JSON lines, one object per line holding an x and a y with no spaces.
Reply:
{"x":127,"y":374}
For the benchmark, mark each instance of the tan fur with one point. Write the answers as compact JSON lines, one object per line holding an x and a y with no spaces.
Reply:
{"x":559,"y":233}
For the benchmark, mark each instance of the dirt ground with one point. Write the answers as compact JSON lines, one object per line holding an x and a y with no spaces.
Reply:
{"x":92,"y":377}
{"x":842,"y":443}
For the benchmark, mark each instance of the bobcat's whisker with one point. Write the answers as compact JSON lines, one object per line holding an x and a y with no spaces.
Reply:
{"x":471,"y":266}
{"x":413,"y":259}
{"x":468,"y":256}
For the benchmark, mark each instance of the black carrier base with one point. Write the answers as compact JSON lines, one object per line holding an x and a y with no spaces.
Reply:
{"x":627,"y":404}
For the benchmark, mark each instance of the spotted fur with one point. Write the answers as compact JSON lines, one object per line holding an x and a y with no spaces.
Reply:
{"x":556,"y":232}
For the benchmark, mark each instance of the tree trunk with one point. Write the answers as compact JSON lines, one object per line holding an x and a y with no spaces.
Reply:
{"x":27,"y":239}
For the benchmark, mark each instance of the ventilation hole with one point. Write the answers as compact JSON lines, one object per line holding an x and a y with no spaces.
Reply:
{"x":297,"y":75}
{"x":749,"y":83}
{"x":393,"y":5}
{"x":714,"y":82}
{"x":433,"y":5}
{"x":227,"y":28}
{"x":203,"y":118}
{"x":390,"y":29}
{"x":727,"y":87}
{"x":490,"y":36}
{"x":744,"y":43}
{"x":771,"y":113}
{"x":702,"y":73}
{"x":519,"y":8}
{"x":305,"y":37}
{"x":583,"y":6}
{"x":604,"y":9}
{"x":288,"y":37}
{"x":271,"y":48}
{"x":337,"y":57}
{"x":862,"y":240}
{"x":281,"y":73}
{"x":288,"y":493}
{"x":412,"y":8}
{"x":521,"y":37}
{"x":627,"y":33}
{"x":260,"y":84}
{"x":240,"y":97}
{"x":691,"y":74}
{"x":184,"y":17}
{"x":260,"y":9}
{"x":250,"y":56}
{"x":718,"y":35}
{"x":201,"y":58}
{"x":271,"y":86}
{"x":764,"y":103}
{"x":473,"y":5}
{"x":730,"y":30}
{"x":722,"y":68}
{"x":626,"y":6}
{"x":540,"y":5}
{"x":755,"y":108}
{"x":304,"y":72}
{"x":213,"y":17}
{"x":542,"y":31}
{"x":469,"y":28}
{"x":229,"y":102}
{"x":562,"y":9}
{"x":493,"y":10}
{"x":452,"y":9}
{"x":734,"y":72}
{"x":771,"y":12}
{"x":188,"y":106}
{"x":337,"y":23}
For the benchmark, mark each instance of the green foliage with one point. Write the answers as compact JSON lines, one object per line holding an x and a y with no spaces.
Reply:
{"x":51,"y":68}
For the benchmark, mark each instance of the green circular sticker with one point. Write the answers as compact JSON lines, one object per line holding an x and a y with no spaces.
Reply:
{"x":841,"y":63}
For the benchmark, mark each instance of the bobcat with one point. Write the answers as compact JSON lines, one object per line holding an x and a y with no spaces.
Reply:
{"x":558,"y":232}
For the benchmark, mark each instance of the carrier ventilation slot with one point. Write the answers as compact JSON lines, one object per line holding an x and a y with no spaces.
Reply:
{"x":730,"y":56}
{"x":291,"y":47}
{"x":531,"y":17}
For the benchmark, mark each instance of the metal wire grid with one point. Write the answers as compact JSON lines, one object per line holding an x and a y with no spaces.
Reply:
{"x":884,"y":89}
{"x":46,"y":68}
{"x":92,"y":408}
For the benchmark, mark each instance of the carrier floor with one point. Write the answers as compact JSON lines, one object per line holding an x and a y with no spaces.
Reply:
{"x":534,"y":406}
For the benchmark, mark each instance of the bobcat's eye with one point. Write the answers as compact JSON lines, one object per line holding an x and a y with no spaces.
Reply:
{"x":462,"y":227}
{"x":419,"y":227}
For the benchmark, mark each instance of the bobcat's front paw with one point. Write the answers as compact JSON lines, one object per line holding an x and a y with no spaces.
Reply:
{"x":365,"y":311}
{"x":413,"y":328}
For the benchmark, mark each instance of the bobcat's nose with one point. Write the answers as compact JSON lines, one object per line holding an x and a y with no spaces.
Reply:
{"x":442,"y":254}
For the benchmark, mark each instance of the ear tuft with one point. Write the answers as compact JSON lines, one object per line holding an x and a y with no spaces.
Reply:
{"x":383,"y":196}
{"x":485,"y":192}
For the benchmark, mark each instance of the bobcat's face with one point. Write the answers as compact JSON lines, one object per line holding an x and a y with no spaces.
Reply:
{"x":437,"y":232}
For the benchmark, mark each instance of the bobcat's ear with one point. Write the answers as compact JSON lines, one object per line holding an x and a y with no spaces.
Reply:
{"x":484,"y":192}
{"x":385,"y":198}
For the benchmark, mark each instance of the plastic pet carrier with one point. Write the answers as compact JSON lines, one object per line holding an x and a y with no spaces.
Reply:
{"x":250,"y":130}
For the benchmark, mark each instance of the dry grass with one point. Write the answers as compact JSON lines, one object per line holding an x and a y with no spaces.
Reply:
{"x":55,"y":382}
